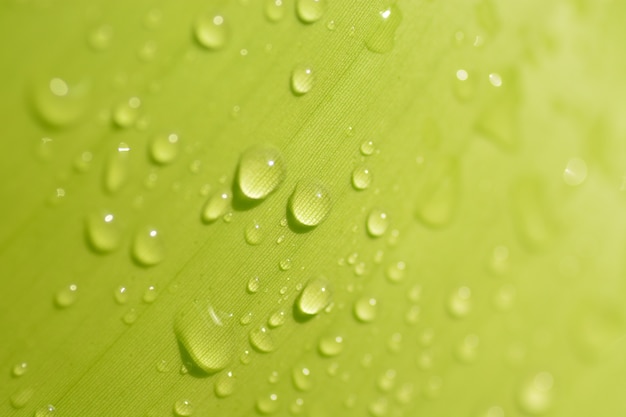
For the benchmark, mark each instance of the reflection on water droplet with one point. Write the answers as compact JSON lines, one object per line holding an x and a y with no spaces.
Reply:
{"x":121,"y":295}
{"x":103,"y":231}
{"x":310,"y":203}
{"x":379,"y":407}
{"x":261,"y":170}
{"x":310,"y":11}
{"x":254,"y":234}
{"x":66,"y":296}
{"x":274,"y":10}
{"x":575,"y":172}
{"x":367,"y":148}
{"x":499,"y":261}
{"x":261,"y":339}
{"x":267,"y":404}
{"x":498,"y":121}
{"x":19,"y":369}
{"x":277,"y":319}
{"x":253,"y":285}
{"x":148,"y":248}
{"x":164,"y":148}
{"x":301,"y":376}
{"x":126,"y":113}
{"x":116,"y":169}
{"x":396,"y":271}
{"x":225,"y":384}
{"x":331,"y":346}
{"x":302,"y":79}
{"x":285,"y":264}
{"x":59,"y":103}
{"x":382,"y":34}
{"x":535,"y":395}
{"x":150,"y":295}
{"x":315,"y":297}
{"x":183,"y":408}
{"x":216,"y":206}
{"x":361,"y":178}
{"x":211,"y":31}
{"x":460,"y":302}
{"x":365,"y":309}
{"x":377,"y":223}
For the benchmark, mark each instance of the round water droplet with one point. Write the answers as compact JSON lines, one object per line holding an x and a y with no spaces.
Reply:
{"x":382,"y":34}
{"x":58,"y":103}
{"x":274,"y":10}
{"x":377,"y":223}
{"x":267,"y":404}
{"x":46,"y":411}
{"x":301,"y":376}
{"x":206,"y":335}
{"x":302,"y":79}
{"x":361,"y":178}
{"x":533,"y":217}
{"x":254,"y":234}
{"x":504,"y":297}
{"x":163,"y":366}
{"x":126,"y":113}
{"x":116,"y":169}
{"x":310,"y":11}
{"x":367,"y":148}
{"x":379,"y":407}
{"x":467,"y":350}
{"x":365,"y":309}
{"x":216,"y":206}
{"x":310,"y":203}
{"x":499,"y":262}
{"x":183,"y":408}
{"x":20,"y":398}
{"x":121,"y":295}
{"x":315,"y":297}
{"x":253,"y":285}
{"x":19,"y":369}
{"x":274,"y":377}
{"x":261,"y":170}
{"x":396,"y":271}
{"x":412,"y":315}
{"x":225,"y":384}
{"x":331,"y":346}
{"x":285,"y":264}
{"x":261,"y":339}
{"x":150,"y":294}
{"x":66,"y":296}
{"x":148,"y":248}
{"x":100,"y":38}
{"x":460,"y":302}
{"x":277,"y":319}
{"x":164,"y":149}
{"x":130,"y":316}
{"x":535,"y":396}
{"x":297,"y":406}
{"x":387,"y":380}
{"x":575,"y":172}
{"x":211,"y":31}
{"x":103,"y":231}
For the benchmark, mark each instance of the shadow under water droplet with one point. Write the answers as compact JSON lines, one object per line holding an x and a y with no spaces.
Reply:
{"x":295,"y":226}
{"x":240,"y":201}
{"x":192,"y":368}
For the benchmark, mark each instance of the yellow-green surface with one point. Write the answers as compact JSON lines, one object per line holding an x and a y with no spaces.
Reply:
{"x":466,"y":262}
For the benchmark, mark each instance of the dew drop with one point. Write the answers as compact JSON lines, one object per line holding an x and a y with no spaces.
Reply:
{"x":504,"y":297}
{"x":498,"y":121}
{"x":150,"y":294}
{"x":100,"y":38}
{"x":433,"y":387}
{"x":206,"y":335}
{"x":467,"y":350}
{"x":267,"y":404}
{"x":103,"y":231}
{"x":493,"y":411}
{"x":216,"y":206}
{"x":116,"y":169}
{"x":499,"y":261}
{"x":130,"y":316}
{"x":126,"y":113}
{"x":377,"y":223}
{"x":310,"y":203}
{"x":274,"y":10}
{"x":261,"y":170}
{"x":297,"y":406}
{"x":379,"y":407}
{"x":533,"y":220}
{"x":121,"y":295}
{"x":437,"y":198}
{"x":367,"y":148}
{"x":575,"y":172}
{"x":464,"y":85}
{"x":387,"y":380}
{"x":164,"y":149}
{"x":163,"y":366}
{"x":277,"y":319}
{"x":19,"y":369}
{"x":365,"y":309}
{"x":412,"y":315}
{"x":261,"y":339}
{"x":315,"y":297}
{"x":382,"y":34}
{"x":253,"y":285}
{"x":331,"y":346}
{"x":310,"y":11}
{"x":254,"y":234}
{"x":20,"y":398}
{"x":225,"y":384}
{"x":396,"y":272}
{"x":66,"y":296}
{"x":148,"y":248}
{"x":535,"y":396}
{"x":58,"y":103}
{"x":301,"y":377}
{"x":46,"y":411}
{"x":361,"y":178}
{"x":211,"y":31}
{"x":246,"y":318}
{"x":183,"y":408}
{"x":285,"y":264}
{"x":460,"y":302}
{"x":302,"y":79}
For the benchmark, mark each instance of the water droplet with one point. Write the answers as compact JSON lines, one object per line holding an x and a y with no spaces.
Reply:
{"x":495,"y":79}
{"x":211,"y":31}
{"x":164,"y":148}
{"x":246,"y":357}
{"x":267,"y":404}
{"x":246,"y":318}
{"x":261,"y":170}
{"x":301,"y":376}
{"x":148,"y":248}
{"x":395,"y":343}
{"x":535,"y":396}
{"x":310,"y":11}
{"x":206,"y":335}
{"x":100,"y":38}
{"x":433,"y":387}
{"x":103,"y":231}
{"x":494,"y":411}
{"x":575,"y":172}
{"x":378,"y":407}
{"x":464,"y":85}
{"x":58,"y":103}
{"x":274,"y":377}
{"x":365,"y":309}
{"x":467,"y":350}
{"x":504,"y":297}
{"x":331,"y":346}
{"x":126,"y":113}
{"x":597,"y":328}
{"x":367,"y":148}
{"x":67,"y":296}
{"x":183,"y":408}
{"x":285,"y":264}
{"x":498,"y":121}
{"x":121,"y":295}
{"x":225,"y":384}
{"x":261,"y":339}
{"x":460,"y":302}
{"x":533,"y":220}
{"x":315,"y":297}
{"x":163,"y":366}
{"x":302,"y":79}
{"x":387,"y":380}
{"x":254,"y":234}
{"x":216,"y":206}
{"x":274,"y":10}
{"x":361,"y":178}
{"x":130,"y":316}
{"x":310,"y":203}
{"x":360,"y":269}
{"x":253,"y":285}
{"x":499,"y":261}
{"x":20,"y":398}
{"x":381,"y":39}
{"x":116,"y":169}
{"x":412,"y":315}
{"x":46,"y":411}
{"x":150,"y":294}
{"x":396,"y":271}
{"x":377,"y":223}
{"x":277,"y":319}
{"x":19,"y":369}
{"x":437,"y":197}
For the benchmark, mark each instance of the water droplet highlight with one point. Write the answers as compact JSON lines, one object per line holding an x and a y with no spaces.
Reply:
{"x":164,"y":148}
{"x":67,"y":296}
{"x":366,"y":309}
{"x":103,"y":231}
{"x":254,"y":234}
{"x":377,"y":223}
{"x":183,"y":408}
{"x":331,"y":346}
{"x":381,"y":39}
{"x":315,"y":297}
{"x":261,"y":170}
{"x":460,"y":302}
{"x":267,"y":404}
{"x":302,"y":79}
{"x":225,"y":384}
{"x":19,"y":369}
{"x":211,"y":32}
{"x":396,"y":271}
{"x":301,"y":376}
{"x":58,"y":103}
{"x":261,"y":339}
{"x":310,"y":11}
{"x":535,"y":396}
{"x":46,"y":411}
{"x":126,"y":113}
{"x":361,"y":178}
{"x":216,"y":206}
{"x":310,"y":203}
{"x":274,"y":10}
{"x":148,"y":248}
{"x":575,"y":172}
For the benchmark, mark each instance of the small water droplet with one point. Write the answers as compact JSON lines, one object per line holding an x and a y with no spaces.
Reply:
{"x":535,"y":396}
{"x":267,"y":404}
{"x":396,"y":272}
{"x":331,"y":346}
{"x":504,"y":297}
{"x":378,"y":407}
{"x":377,"y":223}
{"x":225,"y":384}
{"x":495,"y":79}
{"x":211,"y":31}
{"x":361,"y":178}
{"x":246,"y":357}
{"x":246,"y":318}
{"x":467,"y":350}
{"x":254,"y":233}
{"x":464,"y":85}
{"x":310,"y":11}
{"x":216,"y":206}
{"x":297,"y":406}
{"x":116,"y":169}
{"x":382,"y":34}
{"x":46,"y":411}
{"x":164,"y":149}
{"x":58,"y":103}
{"x":253,"y":285}
{"x":433,"y":387}
{"x":148,"y":248}
{"x":277,"y":319}
{"x":315,"y":297}
{"x":575,"y":172}
{"x":121,"y":295}
{"x":498,"y":121}
{"x":19,"y":369}
{"x":21,"y":397}
{"x":130,"y":316}
{"x":274,"y":377}
{"x":103,"y":231}
{"x":493,"y":411}
{"x":365,"y":309}
{"x":499,"y":261}
{"x":183,"y":408}
{"x":310,"y":203}
{"x":261,"y":339}
{"x":100,"y":38}
{"x":533,"y":219}
{"x":163,"y":366}
{"x":367,"y":148}
{"x":285,"y":264}
{"x":66,"y":296}
{"x":261,"y":170}
{"x":412,"y":315}
{"x":126,"y":113}
{"x":460,"y":302}
{"x":387,"y":380}
{"x":150,"y":294}
{"x":302,"y":79}
{"x":275,"y":10}
{"x":438,"y":195}
{"x":301,"y":376}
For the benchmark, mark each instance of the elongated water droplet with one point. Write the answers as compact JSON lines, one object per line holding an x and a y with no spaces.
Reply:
{"x":254,"y":233}
{"x":382,"y":36}
{"x":437,"y":198}
{"x":533,"y":220}
{"x":206,"y":335}
{"x":211,"y":31}
{"x":310,"y":11}
{"x":261,"y":170}
{"x":365,"y":309}
{"x":253,"y":285}
{"x":377,"y":223}
{"x":262,"y":340}
{"x":58,"y":103}
{"x":20,"y":398}
{"x":121,"y":295}
{"x":467,"y":350}
{"x":225,"y":384}
{"x":66,"y":296}
{"x":367,"y":148}
{"x":498,"y":121}
{"x":19,"y":369}
{"x":216,"y":206}
{"x":535,"y":396}
{"x":301,"y":376}
{"x":116,"y":169}
{"x":103,"y":231}
{"x":183,"y":408}
{"x":395,"y":271}
{"x":267,"y":404}
{"x":361,"y":178}
{"x":150,"y":294}
{"x":302,"y":79}
{"x":274,"y":10}
{"x":575,"y":172}
{"x":277,"y":319}
{"x":126,"y":113}
{"x":331,"y":346}
{"x":46,"y":411}
{"x":164,"y":148}
{"x":310,"y":203}
{"x":460,"y":302}
{"x":315,"y":297}
{"x":148,"y":248}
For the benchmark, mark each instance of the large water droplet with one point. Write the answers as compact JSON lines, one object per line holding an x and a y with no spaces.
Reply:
{"x":261,"y":171}
{"x":58,"y":103}
{"x":310,"y":11}
{"x":211,"y":31}
{"x":261,"y":339}
{"x":103,"y":231}
{"x":302,"y":79}
{"x":437,"y":198}
{"x":365,"y":309}
{"x":382,"y":34}
{"x":267,"y":404}
{"x":274,"y":10}
{"x":66,"y":296}
{"x":225,"y":384}
{"x":310,"y":203}
{"x":206,"y":336}
{"x":377,"y":222}
{"x":164,"y":148}
{"x":575,"y":172}
{"x":361,"y":178}
{"x":460,"y":302}
{"x":148,"y":248}
{"x":331,"y":345}
{"x":301,"y":376}
{"x":216,"y":206}
{"x":535,"y":396}
{"x":117,"y":168}
{"x":183,"y":408}
{"x":315,"y":297}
